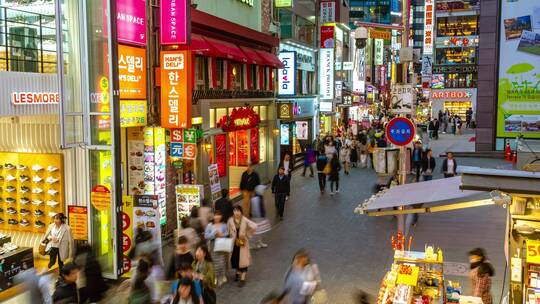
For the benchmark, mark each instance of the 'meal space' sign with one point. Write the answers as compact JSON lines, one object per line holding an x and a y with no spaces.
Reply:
{"x":287,"y":75}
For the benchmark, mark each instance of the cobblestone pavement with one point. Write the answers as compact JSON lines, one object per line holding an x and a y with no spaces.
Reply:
{"x":353,"y":251}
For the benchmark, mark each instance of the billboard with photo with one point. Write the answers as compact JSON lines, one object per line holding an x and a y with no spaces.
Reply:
{"x":518,"y":105}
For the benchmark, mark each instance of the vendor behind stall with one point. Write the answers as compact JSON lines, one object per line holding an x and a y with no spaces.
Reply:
{"x":481,"y":273}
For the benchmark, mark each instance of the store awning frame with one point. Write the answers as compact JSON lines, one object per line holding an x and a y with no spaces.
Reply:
{"x":271,"y":60}
{"x":227,"y":50}
{"x":433,"y":196}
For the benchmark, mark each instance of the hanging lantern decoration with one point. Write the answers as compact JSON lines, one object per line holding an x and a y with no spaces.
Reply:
{"x":240,"y":119}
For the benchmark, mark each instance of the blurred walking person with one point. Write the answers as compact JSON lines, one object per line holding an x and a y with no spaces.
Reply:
{"x":329,"y":147}
{"x":354,"y":152}
{"x":309,"y":159}
{"x":345,"y":158}
{"x":480,"y":275}
{"x":90,"y":282}
{"x":182,"y":255}
{"x":333,"y":177}
{"x":140,"y":292}
{"x":215,"y":230}
{"x":258,"y":215}
{"x":468,"y":117}
{"x":65,"y":291}
{"x":322,"y":162}
{"x":250,"y":179}
{"x":302,"y":279}
{"x":203,"y":274}
{"x":281,"y":188}
{"x":417,"y":160}
{"x":287,"y":164}
{"x":241,"y":229}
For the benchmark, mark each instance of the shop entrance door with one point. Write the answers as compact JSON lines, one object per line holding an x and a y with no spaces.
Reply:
{"x":243,"y":146}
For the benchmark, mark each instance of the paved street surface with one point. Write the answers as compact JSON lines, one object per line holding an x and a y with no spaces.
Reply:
{"x":354,"y":251}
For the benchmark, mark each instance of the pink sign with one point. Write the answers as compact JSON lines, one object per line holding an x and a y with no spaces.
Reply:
{"x":175,"y":21}
{"x":131,"y":21}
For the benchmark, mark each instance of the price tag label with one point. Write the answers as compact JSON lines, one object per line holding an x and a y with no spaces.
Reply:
{"x":533,"y":251}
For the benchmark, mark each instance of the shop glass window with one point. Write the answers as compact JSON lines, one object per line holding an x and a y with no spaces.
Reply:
{"x":256,"y":109}
{"x":262,"y":144}
{"x":377,"y":11}
{"x":232,"y":148}
{"x":466,"y":55}
{"x":200,"y":73}
{"x":220,"y":112}
{"x":457,"y":26}
{"x":460,"y":80}
{"x":237,"y":73}
{"x":263,"y":113}
{"x":212,"y":118}
{"x":305,"y":30}
{"x":242,"y":138}
{"x":100,"y":130}
{"x":285,"y":18}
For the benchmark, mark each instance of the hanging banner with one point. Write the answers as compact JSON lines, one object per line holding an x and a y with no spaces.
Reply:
{"x":359,"y":73}
{"x":221,"y":154}
{"x":326,"y":74}
{"x":132,"y":72}
{"x":327,"y":37}
{"x":215,"y":185}
{"x":131,"y":21}
{"x":427,"y":65}
{"x":328,"y":12}
{"x":518,"y":103}
{"x":379,"y":51}
{"x":176,"y":89}
{"x":428,"y":27}
{"x":127,"y":234}
{"x":78,"y":222}
{"x":175,"y":22}
{"x":287,"y":75}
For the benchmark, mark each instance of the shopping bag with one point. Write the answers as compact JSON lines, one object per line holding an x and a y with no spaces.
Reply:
{"x":223,"y":245}
{"x":363,"y":160}
{"x":319,"y":297}
{"x":327,"y":169}
{"x":263,"y":226}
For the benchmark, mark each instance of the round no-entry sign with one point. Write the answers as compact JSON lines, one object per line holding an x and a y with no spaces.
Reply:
{"x":400,"y":131}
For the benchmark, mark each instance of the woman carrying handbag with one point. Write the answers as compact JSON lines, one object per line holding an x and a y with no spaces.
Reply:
{"x":59,"y":241}
{"x":241,"y":229}
{"x":217,"y":232}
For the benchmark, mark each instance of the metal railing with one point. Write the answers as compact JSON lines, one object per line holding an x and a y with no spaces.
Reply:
{"x":27,"y":41}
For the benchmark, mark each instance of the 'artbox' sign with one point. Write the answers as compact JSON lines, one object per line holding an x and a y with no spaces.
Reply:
{"x":175,"y":21}
{"x":131,"y":21}
{"x":287,"y":75}
{"x":176,"y":89}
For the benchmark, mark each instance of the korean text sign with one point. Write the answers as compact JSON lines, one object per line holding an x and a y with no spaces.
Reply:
{"x":175,"y":21}
{"x":132,"y":72}
{"x":428,"y":26}
{"x":176,"y":89}
{"x":131,"y":21}
{"x":287,"y":75}
{"x":326,"y":74}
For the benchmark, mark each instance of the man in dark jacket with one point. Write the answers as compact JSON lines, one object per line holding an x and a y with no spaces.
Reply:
{"x":66,"y":288}
{"x":281,"y":188}
{"x":182,"y":256}
{"x":449,"y":165}
{"x":321,"y":164}
{"x":288,"y":164}
{"x":224,"y":205}
{"x":250,"y":179}
{"x":417,"y":159}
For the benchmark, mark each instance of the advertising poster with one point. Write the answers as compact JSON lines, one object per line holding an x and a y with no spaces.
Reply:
{"x":176,"y":88}
{"x":154,"y":166}
{"x":326,"y":74}
{"x":284,"y":134}
{"x":302,"y":130}
{"x":127,"y":233}
{"x":146,"y":215}
{"x":175,"y":21}
{"x":78,"y":222}
{"x":327,"y":37}
{"x":132,"y":72}
{"x":221,"y":154}
{"x":401,"y":101}
{"x":287,"y":75}
{"x":215,"y":185}
{"x":187,"y":197}
{"x":131,"y":21}
{"x":519,"y":69}
{"x":135,"y":160}
{"x":254,"y":145}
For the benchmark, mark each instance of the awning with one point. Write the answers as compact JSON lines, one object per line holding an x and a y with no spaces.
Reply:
{"x":253,"y":56}
{"x":433,"y":196}
{"x":227,"y":50}
{"x":201,"y":47}
{"x":271,"y":60}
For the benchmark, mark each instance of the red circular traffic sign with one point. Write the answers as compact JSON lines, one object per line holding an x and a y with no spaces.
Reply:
{"x":400,"y":131}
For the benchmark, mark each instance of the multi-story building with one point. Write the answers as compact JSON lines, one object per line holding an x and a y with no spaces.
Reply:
{"x":455,"y":61}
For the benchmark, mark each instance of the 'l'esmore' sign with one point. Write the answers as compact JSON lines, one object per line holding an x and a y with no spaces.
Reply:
{"x":287,"y":75}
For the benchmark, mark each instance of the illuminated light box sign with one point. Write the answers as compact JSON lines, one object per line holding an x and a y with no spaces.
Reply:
{"x":451,"y":94}
{"x":287,"y":75}
{"x":132,"y":72}
{"x":131,"y":21}
{"x":34,"y":98}
{"x":240,"y":119}
{"x":326,"y":74}
{"x":175,"y":21}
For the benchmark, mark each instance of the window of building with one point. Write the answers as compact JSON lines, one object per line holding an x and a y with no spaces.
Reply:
{"x":254,"y":76}
{"x":460,"y":80}
{"x":465,"y":55}
{"x":212,"y":118}
{"x":457,"y":26}
{"x":285,"y":18}
{"x":305,"y":30}
{"x":377,"y":11}
{"x":200,"y":73}
{"x":237,"y":76}
{"x":220,"y":74}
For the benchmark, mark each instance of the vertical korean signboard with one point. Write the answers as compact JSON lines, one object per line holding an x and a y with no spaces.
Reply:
{"x":518,"y":106}
{"x":175,"y":22}
{"x":131,"y":21}
{"x":328,"y":11}
{"x":132,"y":72}
{"x":155,"y":153}
{"x":326,"y":74}
{"x":427,"y":51}
{"x":176,"y":88}
{"x":287,"y":75}
{"x":379,"y":51}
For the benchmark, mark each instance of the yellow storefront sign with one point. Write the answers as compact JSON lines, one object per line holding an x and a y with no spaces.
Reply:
{"x":133,"y":113}
{"x":375,"y":34}
{"x":533,"y":251}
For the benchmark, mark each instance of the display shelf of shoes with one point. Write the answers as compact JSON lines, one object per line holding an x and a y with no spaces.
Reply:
{"x":36,"y":191}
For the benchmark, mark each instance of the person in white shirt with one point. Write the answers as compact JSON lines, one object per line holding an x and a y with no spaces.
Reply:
{"x":60,"y":242}
{"x":288,"y":164}
{"x":449,"y":166}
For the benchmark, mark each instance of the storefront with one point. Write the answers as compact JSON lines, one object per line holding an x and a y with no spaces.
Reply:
{"x":297,"y":124}
{"x":455,"y":101}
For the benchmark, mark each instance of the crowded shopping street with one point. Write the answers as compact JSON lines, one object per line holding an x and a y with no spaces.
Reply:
{"x":270,"y":151}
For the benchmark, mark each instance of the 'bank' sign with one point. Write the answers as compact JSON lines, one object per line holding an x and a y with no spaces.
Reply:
{"x":287,"y":75}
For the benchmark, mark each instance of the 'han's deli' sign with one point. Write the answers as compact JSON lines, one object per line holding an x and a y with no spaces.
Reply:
{"x":34,"y":98}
